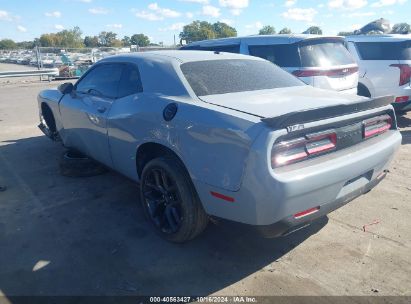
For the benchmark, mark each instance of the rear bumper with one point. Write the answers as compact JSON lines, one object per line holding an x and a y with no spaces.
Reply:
{"x":291,"y":224}
{"x":270,"y":198}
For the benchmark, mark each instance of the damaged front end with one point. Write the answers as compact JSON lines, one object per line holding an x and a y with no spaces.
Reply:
{"x":49,"y":132}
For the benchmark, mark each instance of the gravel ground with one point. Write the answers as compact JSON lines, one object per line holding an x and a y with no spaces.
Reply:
{"x":14,"y":67}
{"x":88,"y":236}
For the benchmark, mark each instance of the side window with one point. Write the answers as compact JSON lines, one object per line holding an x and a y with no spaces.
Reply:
{"x":379,"y":50}
{"x":102,"y":80}
{"x":190,"y":47}
{"x":130,"y":82}
{"x":370,"y":51}
{"x":284,"y":55}
{"x":233,"y":48}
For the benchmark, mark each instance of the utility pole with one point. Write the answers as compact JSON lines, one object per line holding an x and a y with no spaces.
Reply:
{"x":38,"y":57}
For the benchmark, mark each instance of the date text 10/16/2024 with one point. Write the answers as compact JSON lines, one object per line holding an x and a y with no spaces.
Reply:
{"x":209,"y":299}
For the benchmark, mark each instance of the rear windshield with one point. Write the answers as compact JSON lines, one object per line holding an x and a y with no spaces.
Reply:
{"x":385,"y":50}
{"x":235,"y":75}
{"x":324,"y":54}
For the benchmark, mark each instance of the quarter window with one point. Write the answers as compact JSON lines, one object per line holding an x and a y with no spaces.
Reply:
{"x":191,"y":48}
{"x":284,"y":55}
{"x":234,"y":48}
{"x":130,"y":82}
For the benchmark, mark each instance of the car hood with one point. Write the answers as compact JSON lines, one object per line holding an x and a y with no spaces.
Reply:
{"x":276,"y":102}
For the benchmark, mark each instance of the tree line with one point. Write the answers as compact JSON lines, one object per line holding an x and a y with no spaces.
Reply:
{"x":73,"y":38}
{"x":195,"y":31}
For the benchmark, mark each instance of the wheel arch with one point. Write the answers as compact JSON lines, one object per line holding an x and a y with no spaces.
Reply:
{"x":150,"y":150}
{"x":363,"y":90}
{"x":366,"y":84}
{"x":196,"y":218}
{"x":49,"y":116}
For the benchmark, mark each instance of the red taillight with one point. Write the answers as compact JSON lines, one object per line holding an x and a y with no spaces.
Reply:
{"x":306,"y":212}
{"x":321,"y":142}
{"x":402,"y":98}
{"x":330,"y":73}
{"x":376,"y":125}
{"x":405,"y":73}
{"x":315,"y":144}
{"x":288,"y":152}
{"x":309,"y":73}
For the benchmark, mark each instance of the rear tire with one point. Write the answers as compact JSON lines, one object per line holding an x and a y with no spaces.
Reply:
{"x":75,"y":164}
{"x":170,"y":201}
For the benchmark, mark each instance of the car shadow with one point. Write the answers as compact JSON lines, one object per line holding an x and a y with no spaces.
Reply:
{"x":88,"y":236}
{"x":406,"y":137}
{"x":403,"y":121}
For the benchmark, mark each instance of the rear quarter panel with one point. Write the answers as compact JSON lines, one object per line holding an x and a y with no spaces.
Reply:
{"x":384,"y":78}
{"x":212,"y":142}
{"x":377,"y":75}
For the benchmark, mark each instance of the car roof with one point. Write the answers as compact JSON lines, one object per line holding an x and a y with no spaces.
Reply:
{"x":178,"y":56}
{"x":378,"y":38}
{"x":272,"y":39}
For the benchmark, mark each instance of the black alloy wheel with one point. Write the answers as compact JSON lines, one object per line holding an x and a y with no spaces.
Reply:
{"x":163,"y":200}
{"x":170,"y":200}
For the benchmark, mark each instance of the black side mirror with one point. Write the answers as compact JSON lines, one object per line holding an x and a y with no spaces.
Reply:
{"x":66,"y":88}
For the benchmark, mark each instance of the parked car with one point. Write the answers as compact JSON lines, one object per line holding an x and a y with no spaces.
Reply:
{"x":225,"y":135}
{"x":385,"y":66}
{"x":319,"y":61}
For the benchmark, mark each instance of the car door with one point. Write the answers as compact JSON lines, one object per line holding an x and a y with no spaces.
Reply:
{"x":127,"y":121}
{"x":84,"y":111}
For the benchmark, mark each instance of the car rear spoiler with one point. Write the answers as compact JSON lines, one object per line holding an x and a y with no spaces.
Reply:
{"x":310,"y":115}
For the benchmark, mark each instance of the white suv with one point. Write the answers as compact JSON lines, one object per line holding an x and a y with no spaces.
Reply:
{"x":384,"y":65}
{"x":320,"y":61}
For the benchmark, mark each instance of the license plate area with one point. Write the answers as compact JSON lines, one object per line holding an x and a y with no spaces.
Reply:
{"x":355,"y":183}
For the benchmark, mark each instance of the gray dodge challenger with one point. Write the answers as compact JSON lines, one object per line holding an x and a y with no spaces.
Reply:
{"x":224,"y":135}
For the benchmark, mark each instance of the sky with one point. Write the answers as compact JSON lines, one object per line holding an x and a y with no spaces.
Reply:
{"x":162,"y":19}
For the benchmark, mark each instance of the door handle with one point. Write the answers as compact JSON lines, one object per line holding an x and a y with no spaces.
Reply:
{"x":101,"y":109}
